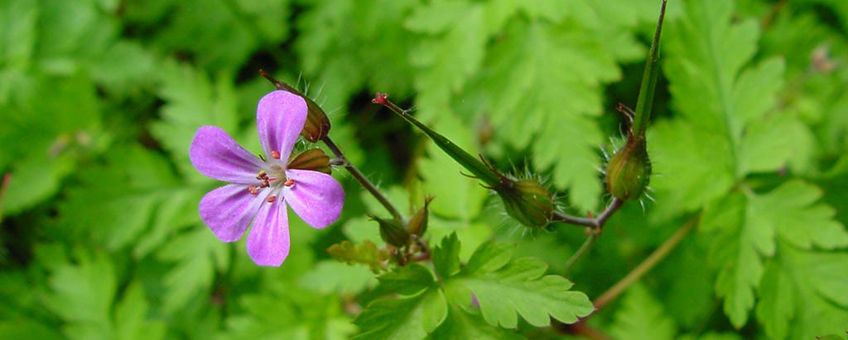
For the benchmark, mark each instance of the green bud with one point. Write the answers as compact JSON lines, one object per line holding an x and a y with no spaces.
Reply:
{"x":418,"y":223}
{"x":392,"y":232}
{"x":313,"y":159}
{"x":629,"y":170}
{"x":528,"y":201}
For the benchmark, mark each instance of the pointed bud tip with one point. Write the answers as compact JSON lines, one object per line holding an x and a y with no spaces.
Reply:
{"x":380,"y":98}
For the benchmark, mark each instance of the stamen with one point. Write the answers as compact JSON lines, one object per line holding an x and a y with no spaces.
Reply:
{"x":253,"y":190}
{"x":289,"y":182}
{"x":275,"y":154}
{"x":271,"y":199}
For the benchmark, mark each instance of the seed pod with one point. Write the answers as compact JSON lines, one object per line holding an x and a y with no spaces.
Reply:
{"x":312,"y":159}
{"x":528,"y":201}
{"x":629,"y":170}
{"x":392,"y":232}
{"x":418,"y":223}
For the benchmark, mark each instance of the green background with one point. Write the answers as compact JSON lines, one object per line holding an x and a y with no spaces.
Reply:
{"x":99,"y":100}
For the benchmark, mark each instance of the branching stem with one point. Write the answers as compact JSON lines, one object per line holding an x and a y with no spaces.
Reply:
{"x":360,"y":177}
{"x":649,"y":263}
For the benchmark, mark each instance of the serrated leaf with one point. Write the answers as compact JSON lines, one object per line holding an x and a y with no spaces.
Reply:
{"x":197,"y":255}
{"x":505,"y":289}
{"x":193,"y":100}
{"x":446,"y":257}
{"x":407,"y":280}
{"x":406,"y":318}
{"x":461,"y":325}
{"x":83,"y":295}
{"x":641,"y":317}
{"x":807,"y":297}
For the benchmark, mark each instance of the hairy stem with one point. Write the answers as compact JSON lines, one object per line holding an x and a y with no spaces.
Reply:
{"x":649,"y":263}
{"x":354,"y":171}
{"x":596,"y":223}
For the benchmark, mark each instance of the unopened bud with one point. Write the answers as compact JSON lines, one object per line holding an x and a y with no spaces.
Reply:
{"x":317,"y":124}
{"x":629,"y":170}
{"x":312,"y":159}
{"x":528,"y":201}
{"x":418,"y":223}
{"x":392,"y":232}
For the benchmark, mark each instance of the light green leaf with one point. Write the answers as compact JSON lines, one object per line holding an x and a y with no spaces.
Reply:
{"x":197,"y":255}
{"x":336,"y":277}
{"x":406,"y":318}
{"x":407,"y":280}
{"x":462,"y":325}
{"x":446,"y":257}
{"x":192,"y":100}
{"x":506,"y":289}
{"x":83,"y":295}
{"x":641,"y":316}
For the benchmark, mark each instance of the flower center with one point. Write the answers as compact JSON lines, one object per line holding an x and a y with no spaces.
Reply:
{"x":272,"y":178}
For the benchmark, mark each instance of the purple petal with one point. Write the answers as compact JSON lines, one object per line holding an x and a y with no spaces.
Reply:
{"x":268,"y":242}
{"x":215,"y":154}
{"x":315,"y":196}
{"x":280,"y":117}
{"x":228,"y":210}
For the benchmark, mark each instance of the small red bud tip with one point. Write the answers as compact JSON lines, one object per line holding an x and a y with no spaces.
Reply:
{"x":289,"y":182}
{"x":380,"y":98}
{"x":271,"y":199}
{"x":275,"y":154}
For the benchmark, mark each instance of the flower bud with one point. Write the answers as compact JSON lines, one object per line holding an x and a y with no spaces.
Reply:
{"x":528,"y":201}
{"x":418,"y":223}
{"x":392,"y":232}
{"x":317,"y":125}
{"x":312,"y":159}
{"x":629,"y":170}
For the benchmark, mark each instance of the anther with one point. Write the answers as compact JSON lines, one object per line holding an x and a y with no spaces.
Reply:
{"x":271,"y":199}
{"x":252,"y":189}
{"x":289,"y":182}
{"x":275,"y":154}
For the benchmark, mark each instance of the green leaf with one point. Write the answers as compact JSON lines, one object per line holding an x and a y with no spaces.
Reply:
{"x":405,"y":318}
{"x":83,"y":295}
{"x":721,"y":103}
{"x":446,"y":257}
{"x":461,"y":324}
{"x":506,"y":288}
{"x":534,"y":66}
{"x":336,"y":277}
{"x":197,"y":255}
{"x":805,"y":296}
{"x":744,"y":230}
{"x":131,"y":316}
{"x":641,"y":316}
{"x":408,"y":280}
{"x":192,"y":100}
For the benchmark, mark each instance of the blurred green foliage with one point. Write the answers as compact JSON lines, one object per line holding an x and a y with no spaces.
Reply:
{"x":101,"y":239}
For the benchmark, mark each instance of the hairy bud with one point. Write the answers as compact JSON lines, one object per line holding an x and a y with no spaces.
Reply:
{"x":528,"y":201}
{"x":392,"y":232}
{"x":313,"y":159}
{"x":629,"y":170}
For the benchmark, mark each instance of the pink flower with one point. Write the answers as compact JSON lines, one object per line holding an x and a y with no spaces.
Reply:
{"x":260,"y":190}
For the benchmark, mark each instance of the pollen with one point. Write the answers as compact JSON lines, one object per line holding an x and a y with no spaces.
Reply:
{"x":253,"y":190}
{"x":275,"y":154}
{"x":271,"y":199}
{"x":289,"y":182}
